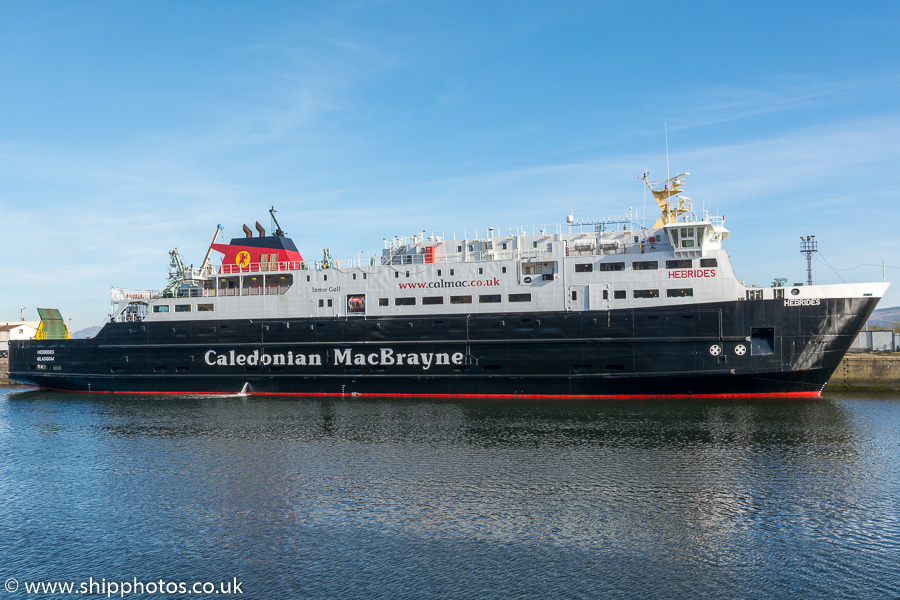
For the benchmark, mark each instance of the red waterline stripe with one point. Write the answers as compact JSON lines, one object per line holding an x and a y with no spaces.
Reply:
{"x":475,"y":396}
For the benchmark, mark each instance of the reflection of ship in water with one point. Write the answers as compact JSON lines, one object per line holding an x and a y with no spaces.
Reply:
{"x":578,"y":473}
{"x":622,"y":493}
{"x":586,"y":309}
{"x":700,"y":422}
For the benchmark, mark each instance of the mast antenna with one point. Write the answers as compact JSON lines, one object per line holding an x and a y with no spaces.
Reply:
{"x":278,"y":230}
{"x":644,"y":202}
{"x":666,"y":126}
{"x":808,"y":246}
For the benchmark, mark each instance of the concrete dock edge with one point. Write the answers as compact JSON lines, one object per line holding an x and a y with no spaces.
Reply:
{"x":875,"y":370}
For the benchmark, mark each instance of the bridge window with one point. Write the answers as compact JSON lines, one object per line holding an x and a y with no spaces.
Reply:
{"x":584,"y":268}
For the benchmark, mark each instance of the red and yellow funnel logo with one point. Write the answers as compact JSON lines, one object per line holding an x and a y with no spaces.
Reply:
{"x":242,"y":259}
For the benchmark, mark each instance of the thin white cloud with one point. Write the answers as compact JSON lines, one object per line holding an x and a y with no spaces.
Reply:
{"x":718,"y":104}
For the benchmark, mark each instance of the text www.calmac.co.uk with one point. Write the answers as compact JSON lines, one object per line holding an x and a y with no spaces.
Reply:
{"x":125,"y":588}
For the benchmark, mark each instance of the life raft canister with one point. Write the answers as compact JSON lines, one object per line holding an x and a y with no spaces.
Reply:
{"x":356,"y":303}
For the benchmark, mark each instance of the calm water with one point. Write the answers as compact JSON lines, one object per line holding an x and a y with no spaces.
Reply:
{"x":311,"y":498}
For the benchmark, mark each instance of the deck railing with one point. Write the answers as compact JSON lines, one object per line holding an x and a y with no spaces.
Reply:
{"x":253,"y":290}
{"x":292,"y":265}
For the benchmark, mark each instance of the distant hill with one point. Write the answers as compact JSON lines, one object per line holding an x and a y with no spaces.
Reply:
{"x":886,"y":317}
{"x":86,"y":333}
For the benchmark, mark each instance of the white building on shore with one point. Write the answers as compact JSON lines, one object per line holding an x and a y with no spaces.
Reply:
{"x":16,"y":330}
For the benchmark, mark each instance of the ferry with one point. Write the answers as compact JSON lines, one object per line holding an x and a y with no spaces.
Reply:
{"x":585,"y":309}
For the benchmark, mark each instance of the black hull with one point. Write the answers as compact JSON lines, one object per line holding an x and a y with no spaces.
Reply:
{"x":684,"y":351}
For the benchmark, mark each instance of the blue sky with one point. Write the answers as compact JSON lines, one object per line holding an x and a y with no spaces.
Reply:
{"x":129,"y":129}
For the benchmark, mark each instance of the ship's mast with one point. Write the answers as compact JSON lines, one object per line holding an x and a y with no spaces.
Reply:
{"x":808,"y":246}
{"x":662,"y":190}
{"x":278,"y":230}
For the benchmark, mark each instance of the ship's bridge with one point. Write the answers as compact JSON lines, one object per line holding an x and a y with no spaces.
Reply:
{"x":688,"y":233}
{"x":691,"y":237}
